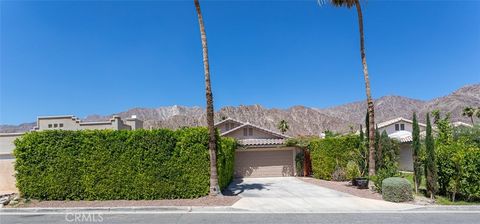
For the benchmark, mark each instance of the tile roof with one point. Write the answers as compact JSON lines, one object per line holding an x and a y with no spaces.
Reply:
{"x":254,"y":142}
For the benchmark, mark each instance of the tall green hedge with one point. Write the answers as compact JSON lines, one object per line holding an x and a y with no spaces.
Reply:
{"x":106,"y":164}
{"x":330,"y":153}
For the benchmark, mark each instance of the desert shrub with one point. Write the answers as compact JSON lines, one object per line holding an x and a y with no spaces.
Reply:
{"x":352,"y":170}
{"x":339,"y":174}
{"x":396,"y":189}
{"x":331,"y":154}
{"x":108,"y":165}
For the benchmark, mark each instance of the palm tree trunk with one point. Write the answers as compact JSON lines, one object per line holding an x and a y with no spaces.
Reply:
{"x":471,"y":118}
{"x":371,"y":116}
{"x":212,"y":142}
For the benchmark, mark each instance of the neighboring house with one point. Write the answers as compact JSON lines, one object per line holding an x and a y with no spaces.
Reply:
{"x":69,"y":122}
{"x":461,"y":124}
{"x":261,"y":152}
{"x":401,"y":130}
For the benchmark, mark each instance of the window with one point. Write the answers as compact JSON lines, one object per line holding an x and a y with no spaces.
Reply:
{"x":49,"y":125}
{"x":232,"y":125}
{"x":55,"y":125}
{"x":245,"y":132}
{"x":60,"y":125}
{"x":397,"y":127}
{"x":402,"y":127}
{"x":250,"y":132}
{"x":227,"y":126}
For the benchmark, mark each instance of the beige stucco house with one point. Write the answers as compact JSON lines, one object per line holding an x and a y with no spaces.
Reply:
{"x":68,"y":122}
{"x":261,"y":152}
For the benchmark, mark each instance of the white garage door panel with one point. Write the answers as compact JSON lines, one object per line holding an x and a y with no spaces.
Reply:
{"x":264,"y":163}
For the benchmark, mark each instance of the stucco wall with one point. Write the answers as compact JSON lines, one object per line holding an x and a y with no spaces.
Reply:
{"x":406,"y":158}
{"x":7,"y":179}
{"x":391,"y":128}
{"x":6,"y":142}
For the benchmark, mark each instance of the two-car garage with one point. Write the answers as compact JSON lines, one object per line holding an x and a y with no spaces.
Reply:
{"x":265,"y":162}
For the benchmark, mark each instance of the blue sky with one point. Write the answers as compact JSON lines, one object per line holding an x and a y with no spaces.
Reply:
{"x":92,"y":57}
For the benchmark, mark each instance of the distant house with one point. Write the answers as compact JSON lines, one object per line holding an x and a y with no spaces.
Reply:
{"x":262,"y":152}
{"x":401,"y":129}
{"x":70,"y":122}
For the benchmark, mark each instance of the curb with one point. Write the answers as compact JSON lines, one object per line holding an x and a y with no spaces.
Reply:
{"x":153,"y":209}
{"x":449,"y":208}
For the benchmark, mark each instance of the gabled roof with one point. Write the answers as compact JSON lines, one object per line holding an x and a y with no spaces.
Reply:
{"x":393,"y":121}
{"x":256,"y":127}
{"x":229,"y":119}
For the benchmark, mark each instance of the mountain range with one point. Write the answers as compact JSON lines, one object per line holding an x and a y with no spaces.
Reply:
{"x":301,"y":120}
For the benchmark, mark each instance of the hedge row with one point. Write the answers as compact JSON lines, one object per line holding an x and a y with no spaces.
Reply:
{"x":107,"y":165}
{"x":333,"y":153}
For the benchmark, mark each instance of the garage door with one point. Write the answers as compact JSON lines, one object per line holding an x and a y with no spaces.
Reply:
{"x":264,"y":163}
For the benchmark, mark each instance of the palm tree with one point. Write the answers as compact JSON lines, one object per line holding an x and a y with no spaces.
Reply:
{"x":478,"y":113}
{"x":371,"y":114}
{"x":212,"y":141}
{"x":469,"y":112}
{"x":283,"y":126}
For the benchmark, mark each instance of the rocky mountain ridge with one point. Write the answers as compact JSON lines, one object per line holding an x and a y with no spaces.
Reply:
{"x":302,"y":120}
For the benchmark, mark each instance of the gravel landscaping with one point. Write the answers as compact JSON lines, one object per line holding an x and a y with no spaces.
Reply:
{"x":204,"y":201}
{"x":343,"y":186}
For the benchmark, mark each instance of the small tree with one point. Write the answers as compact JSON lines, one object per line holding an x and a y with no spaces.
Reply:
{"x":378,"y":150}
{"x":430,"y":164}
{"x":283,"y":126}
{"x":363,"y":162}
{"x":417,"y":162}
{"x":469,"y":112}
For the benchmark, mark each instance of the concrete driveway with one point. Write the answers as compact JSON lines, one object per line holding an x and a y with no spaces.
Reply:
{"x":289,"y":194}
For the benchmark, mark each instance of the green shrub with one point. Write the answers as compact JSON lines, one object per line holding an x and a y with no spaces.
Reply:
{"x":329,"y":153}
{"x":108,"y":165}
{"x":382,"y":174}
{"x":458,"y":166}
{"x":396,"y":189}
{"x":352,"y":170}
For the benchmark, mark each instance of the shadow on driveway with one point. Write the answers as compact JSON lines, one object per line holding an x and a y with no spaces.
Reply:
{"x":238,"y":186}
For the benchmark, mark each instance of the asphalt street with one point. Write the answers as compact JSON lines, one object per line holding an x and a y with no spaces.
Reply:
{"x":251,"y":218}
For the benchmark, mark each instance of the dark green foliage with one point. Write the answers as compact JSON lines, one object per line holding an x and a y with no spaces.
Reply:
{"x":108,"y":165}
{"x":378,"y":150}
{"x":226,"y":161}
{"x":396,"y":189}
{"x":299,"y":162}
{"x":417,"y":160}
{"x":331,"y":153}
{"x":388,"y":162}
{"x":430,"y":163}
